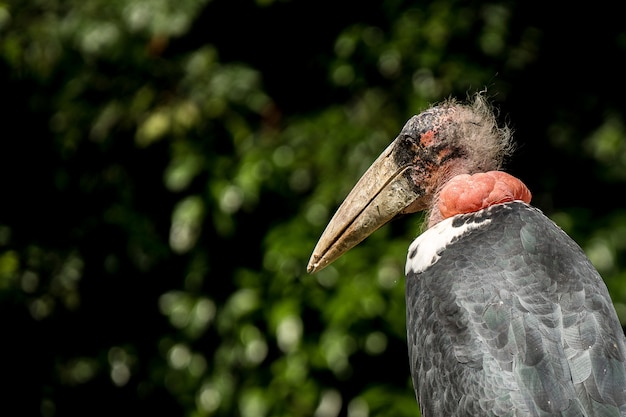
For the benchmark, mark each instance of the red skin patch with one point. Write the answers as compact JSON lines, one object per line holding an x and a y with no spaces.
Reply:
{"x":468,"y":193}
{"x":427,"y":138}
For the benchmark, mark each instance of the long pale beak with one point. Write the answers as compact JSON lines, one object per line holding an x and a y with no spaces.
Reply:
{"x":383,"y":192}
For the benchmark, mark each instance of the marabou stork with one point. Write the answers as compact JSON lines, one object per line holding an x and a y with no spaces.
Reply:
{"x":506,"y":316}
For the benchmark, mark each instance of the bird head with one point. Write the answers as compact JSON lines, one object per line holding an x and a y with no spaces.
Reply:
{"x":436,"y":145}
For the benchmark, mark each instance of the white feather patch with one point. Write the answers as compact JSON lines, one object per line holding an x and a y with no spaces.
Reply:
{"x":427,"y":248}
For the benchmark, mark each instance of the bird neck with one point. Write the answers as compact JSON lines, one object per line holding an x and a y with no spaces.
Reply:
{"x":465,"y":193}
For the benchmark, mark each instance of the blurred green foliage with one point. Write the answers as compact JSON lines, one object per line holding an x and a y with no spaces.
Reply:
{"x":168,"y":167}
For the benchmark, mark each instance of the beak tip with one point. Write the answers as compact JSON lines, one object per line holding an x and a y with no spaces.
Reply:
{"x":313,"y":265}
{"x":317,"y":262}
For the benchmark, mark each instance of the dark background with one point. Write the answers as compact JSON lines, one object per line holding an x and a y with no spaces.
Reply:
{"x":167,"y":168}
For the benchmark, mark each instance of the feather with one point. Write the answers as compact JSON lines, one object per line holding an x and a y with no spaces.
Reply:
{"x":513,"y":319}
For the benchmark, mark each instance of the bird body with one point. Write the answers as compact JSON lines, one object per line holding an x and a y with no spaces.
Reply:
{"x":506,"y":316}
{"x":509,"y":318}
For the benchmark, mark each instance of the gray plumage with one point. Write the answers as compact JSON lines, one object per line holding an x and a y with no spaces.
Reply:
{"x":512,"y":319}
